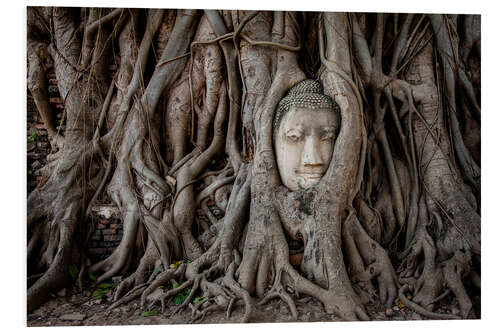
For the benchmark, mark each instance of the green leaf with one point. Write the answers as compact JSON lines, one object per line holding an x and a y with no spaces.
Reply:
{"x":175,"y":285}
{"x":104,"y":285}
{"x":149,"y":313}
{"x":181,"y":297}
{"x":33,"y":136}
{"x":199,"y":299}
{"x":114,"y":285}
{"x":98,"y":293}
{"x":213,"y":162}
{"x":92,"y":277}
{"x":73,"y":271}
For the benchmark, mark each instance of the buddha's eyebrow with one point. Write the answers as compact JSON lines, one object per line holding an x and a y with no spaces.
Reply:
{"x":328,"y":129}
{"x":298,"y":127}
{"x":294,"y":129}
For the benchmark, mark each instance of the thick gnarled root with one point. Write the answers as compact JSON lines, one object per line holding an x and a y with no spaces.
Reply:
{"x":361,"y":249}
{"x":430,"y":281}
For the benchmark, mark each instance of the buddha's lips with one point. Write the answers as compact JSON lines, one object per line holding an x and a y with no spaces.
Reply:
{"x":310,"y":174}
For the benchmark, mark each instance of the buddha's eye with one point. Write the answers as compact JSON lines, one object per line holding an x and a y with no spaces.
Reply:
{"x":294,"y":135}
{"x":327,"y":135}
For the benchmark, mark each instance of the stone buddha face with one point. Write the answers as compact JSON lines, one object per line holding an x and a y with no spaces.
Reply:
{"x":305,"y":129}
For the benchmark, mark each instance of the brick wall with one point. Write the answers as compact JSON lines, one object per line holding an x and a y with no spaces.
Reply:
{"x":38,"y":146}
{"x":106,"y":218}
{"x":108,"y":226}
{"x":108,"y":231}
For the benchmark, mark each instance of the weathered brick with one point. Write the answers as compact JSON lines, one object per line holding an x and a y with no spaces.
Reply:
{"x":109,"y":232}
{"x":103,"y":221}
{"x":110,"y":238}
{"x":94,"y":244}
{"x":95,"y":237}
{"x":55,"y":100}
{"x":94,"y":251}
{"x":30,"y":146}
{"x":34,"y":156}
{"x":40,"y":127}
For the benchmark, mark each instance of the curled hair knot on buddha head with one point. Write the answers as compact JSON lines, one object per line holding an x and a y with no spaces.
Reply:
{"x":306,"y":94}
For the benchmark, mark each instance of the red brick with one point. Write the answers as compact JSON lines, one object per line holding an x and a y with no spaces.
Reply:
{"x":97,"y":251}
{"x":103,"y":221}
{"x":39,"y":126}
{"x":34,"y":156}
{"x":109,"y":231}
{"x":55,"y":100}
{"x":110,"y":238}
{"x":96,"y":237}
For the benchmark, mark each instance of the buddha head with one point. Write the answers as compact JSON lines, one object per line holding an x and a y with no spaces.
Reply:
{"x":305,"y":127}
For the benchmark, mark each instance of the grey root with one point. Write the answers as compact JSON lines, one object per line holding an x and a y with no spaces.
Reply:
{"x":187,"y":122}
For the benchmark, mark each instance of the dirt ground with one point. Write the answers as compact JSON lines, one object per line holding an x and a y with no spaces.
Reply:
{"x":79,"y":309}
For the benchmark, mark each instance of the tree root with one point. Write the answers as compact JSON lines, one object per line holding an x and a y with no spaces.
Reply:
{"x":420,"y":310}
{"x":230,"y":283}
{"x":379,"y":266}
{"x":278,"y":291}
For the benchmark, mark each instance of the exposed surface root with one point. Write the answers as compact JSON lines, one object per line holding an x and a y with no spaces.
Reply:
{"x":421,"y":310}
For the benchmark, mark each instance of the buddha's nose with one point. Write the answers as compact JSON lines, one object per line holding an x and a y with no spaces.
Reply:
{"x":311,"y":155}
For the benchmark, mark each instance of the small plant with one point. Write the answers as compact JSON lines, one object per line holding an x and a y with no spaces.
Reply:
{"x":149,"y":313}
{"x":102,"y":289}
{"x":180,"y":297}
{"x":198,"y":299}
{"x":33,"y":137}
{"x":73,"y":271}
{"x":98,"y":293}
{"x":92,"y":277}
